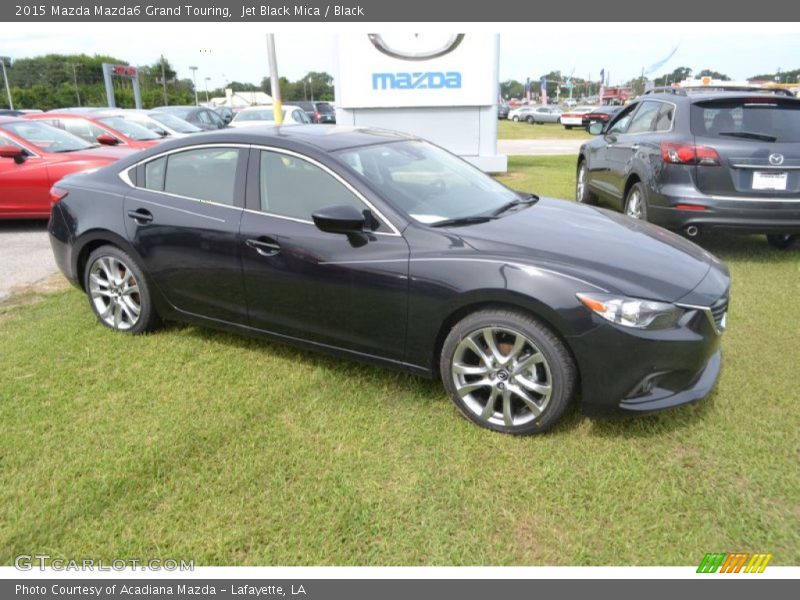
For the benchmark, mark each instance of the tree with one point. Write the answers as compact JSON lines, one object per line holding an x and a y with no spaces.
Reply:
{"x":713,"y":75}
{"x":677,"y":75}
{"x":512,"y":88}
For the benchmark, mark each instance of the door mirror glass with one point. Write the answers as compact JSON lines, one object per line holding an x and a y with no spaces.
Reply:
{"x":596,"y":127}
{"x":341,"y":218}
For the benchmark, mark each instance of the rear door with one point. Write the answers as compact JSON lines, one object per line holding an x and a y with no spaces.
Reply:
{"x":183,"y":220}
{"x":758,"y":143}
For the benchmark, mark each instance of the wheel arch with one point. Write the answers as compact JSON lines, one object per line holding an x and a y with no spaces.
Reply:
{"x":93,"y":239}
{"x":506,"y":301}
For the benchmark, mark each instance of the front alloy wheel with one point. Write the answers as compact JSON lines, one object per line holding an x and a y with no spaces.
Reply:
{"x":507,"y":372}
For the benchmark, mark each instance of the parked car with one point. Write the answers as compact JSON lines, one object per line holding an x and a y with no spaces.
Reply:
{"x":570,"y":102}
{"x":385,"y":248}
{"x":544,"y":114}
{"x":265,"y":115}
{"x":502,"y":110}
{"x":111,"y":129}
{"x":724,"y":160}
{"x":318,"y":112}
{"x":33,"y":157}
{"x":161,"y":123}
{"x":199,"y":116}
{"x":601,"y":114}
{"x":6,"y":112}
{"x":575,"y":116}
{"x":521,"y":113}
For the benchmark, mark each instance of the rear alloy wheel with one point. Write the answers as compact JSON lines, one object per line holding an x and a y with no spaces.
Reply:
{"x":635,"y":203}
{"x":530,"y":121}
{"x":781,"y":241}
{"x":515,"y":118}
{"x":118,"y":291}
{"x":507,"y":372}
{"x":582,"y":192}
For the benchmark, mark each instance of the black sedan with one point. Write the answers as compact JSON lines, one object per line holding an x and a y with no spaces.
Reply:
{"x":385,"y":248}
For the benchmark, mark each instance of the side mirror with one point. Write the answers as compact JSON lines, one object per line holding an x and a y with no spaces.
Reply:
{"x":18,"y":154}
{"x":596,"y":127}
{"x":107,"y":140}
{"x":161,"y":132}
{"x":339,"y":219}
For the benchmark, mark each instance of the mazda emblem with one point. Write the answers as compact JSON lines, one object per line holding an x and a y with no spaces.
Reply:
{"x":415,"y":48}
{"x":776,"y":159}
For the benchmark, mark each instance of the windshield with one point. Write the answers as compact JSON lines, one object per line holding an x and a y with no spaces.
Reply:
{"x":178,"y":111}
{"x":265,"y":114}
{"x":755,"y":119}
{"x":426,"y":182}
{"x":130,"y":129}
{"x":47,"y":138}
{"x":174,"y":123}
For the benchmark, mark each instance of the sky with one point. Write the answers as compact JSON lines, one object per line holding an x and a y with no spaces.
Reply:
{"x":237,"y":51}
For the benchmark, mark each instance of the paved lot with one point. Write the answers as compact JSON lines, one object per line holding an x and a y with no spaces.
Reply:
{"x":538,"y":147}
{"x":25,"y":255}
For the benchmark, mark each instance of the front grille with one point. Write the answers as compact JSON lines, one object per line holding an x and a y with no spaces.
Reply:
{"x":718,"y":310}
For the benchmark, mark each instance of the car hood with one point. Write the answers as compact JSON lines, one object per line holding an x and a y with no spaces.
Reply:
{"x":604,"y":248}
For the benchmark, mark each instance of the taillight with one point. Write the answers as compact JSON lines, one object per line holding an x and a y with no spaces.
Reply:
{"x":57,"y":195}
{"x":316,"y":116}
{"x":689,"y":154}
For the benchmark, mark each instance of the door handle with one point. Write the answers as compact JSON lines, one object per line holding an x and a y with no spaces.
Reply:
{"x":634,"y":147}
{"x":265,"y":246}
{"x":141,"y":216}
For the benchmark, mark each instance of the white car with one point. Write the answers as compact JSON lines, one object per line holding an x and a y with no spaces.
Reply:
{"x":574,"y":118}
{"x":163,"y":123}
{"x":520,"y":113}
{"x":265,"y":115}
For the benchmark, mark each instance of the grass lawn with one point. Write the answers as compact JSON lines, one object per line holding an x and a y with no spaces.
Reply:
{"x":508,"y":130}
{"x":193,"y":444}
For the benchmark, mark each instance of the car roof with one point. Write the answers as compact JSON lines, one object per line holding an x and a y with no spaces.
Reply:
{"x":701,"y":96}
{"x":328,"y":138}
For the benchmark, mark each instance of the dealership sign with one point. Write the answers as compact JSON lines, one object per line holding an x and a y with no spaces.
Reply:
{"x":403,"y":70}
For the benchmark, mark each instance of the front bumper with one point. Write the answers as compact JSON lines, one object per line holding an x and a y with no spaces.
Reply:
{"x":627,"y":371}
{"x":742,"y":214}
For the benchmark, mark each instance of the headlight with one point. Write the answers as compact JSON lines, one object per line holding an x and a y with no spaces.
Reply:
{"x":632,"y":312}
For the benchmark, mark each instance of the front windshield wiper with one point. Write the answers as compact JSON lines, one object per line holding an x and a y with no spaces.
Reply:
{"x":75,"y":149}
{"x":749,"y":135}
{"x":472,"y":220}
{"x":527,"y":200}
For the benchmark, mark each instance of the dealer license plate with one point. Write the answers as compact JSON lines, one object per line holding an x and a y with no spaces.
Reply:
{"x":769,"y":180}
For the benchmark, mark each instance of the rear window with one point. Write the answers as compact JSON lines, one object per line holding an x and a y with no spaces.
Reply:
{"x":756,"y":119}
{"x":324,"y":107}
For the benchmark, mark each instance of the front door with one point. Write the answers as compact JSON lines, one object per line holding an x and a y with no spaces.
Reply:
{"x":348,"y":292}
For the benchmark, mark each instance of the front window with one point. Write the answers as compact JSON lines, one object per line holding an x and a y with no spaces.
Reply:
{"x":130,"y":129}
{"x":45,"y":137}
{"x":426,"y":182}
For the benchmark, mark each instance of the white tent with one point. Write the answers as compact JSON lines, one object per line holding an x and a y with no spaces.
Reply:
{"x":242,"y":99}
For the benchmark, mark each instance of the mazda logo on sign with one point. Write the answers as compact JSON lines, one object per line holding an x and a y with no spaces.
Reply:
{"x":776,"y":159}
{"x":417,"y":46}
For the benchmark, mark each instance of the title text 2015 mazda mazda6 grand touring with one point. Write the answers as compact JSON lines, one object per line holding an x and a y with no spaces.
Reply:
{"x":383,"y":247}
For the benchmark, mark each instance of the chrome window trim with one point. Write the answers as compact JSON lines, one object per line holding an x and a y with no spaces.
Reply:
{"x":125,"y":177}
{"x":753,"y":199}
{"x":671,"y":123}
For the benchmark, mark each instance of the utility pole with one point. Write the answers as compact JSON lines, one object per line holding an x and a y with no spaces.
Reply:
{"x":3,"y":60}
{"x":164,"y":80}
{"x":207,"y":78}
{"x":194,"y":79}
{"x":277,"y":105}
{"x":75,"y":80}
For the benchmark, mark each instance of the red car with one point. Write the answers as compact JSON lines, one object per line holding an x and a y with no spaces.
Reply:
{"x":33,"y":157}
{"x":111,"y":129}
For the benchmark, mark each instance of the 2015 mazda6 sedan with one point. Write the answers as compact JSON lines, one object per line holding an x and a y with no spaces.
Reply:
{"x":385,"y":248}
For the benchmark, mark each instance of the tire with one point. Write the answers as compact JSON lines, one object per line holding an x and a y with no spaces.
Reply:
{"x":559,"y":120}
{"x":520,"y":388}
{"x":636,"y":202}
{"x":568,"y":126}
{"x":515,"y":118}
{"x":115,"y":304}
{"x":582,"y":192}
{"x":781,"y":241}
{"x":530,"y":121}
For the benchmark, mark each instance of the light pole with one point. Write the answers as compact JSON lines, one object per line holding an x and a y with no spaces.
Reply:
{"x":75,"y":80}
{"x":3,"y":60}
{"x":207,"y":78}
{"x":194,"y":79}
